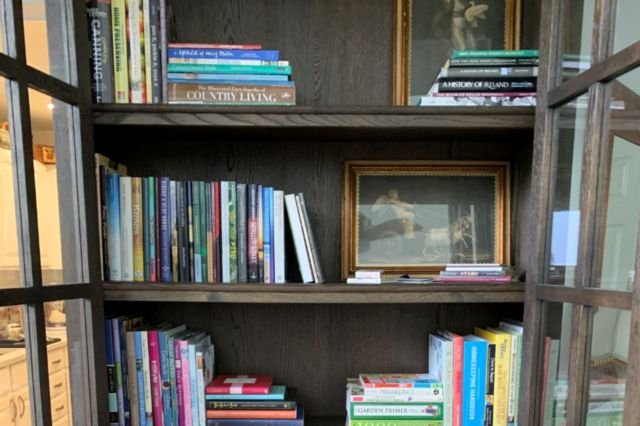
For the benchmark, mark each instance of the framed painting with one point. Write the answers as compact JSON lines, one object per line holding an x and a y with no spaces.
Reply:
{"x":414,"y":217}
{"x":426,"y":31}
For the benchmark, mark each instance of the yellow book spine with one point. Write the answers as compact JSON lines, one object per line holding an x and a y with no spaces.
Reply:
{"x":120,"y":61}
{"x":503,"y":366}
{"x":136,"y":219}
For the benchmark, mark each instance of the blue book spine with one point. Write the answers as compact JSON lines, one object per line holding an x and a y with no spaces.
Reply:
{"x":117,"y":351}
{"x":266,"y":219}
{"x":262,"y":55}
{"x":140,"y":378}
{"x":165,"y":385}
{"x":113,"y":226}
{"x":145,"y":226}
{"x":125,"y":370}
{"x":216,"y":83}
{"x":474,"y":378}
{"x":193,"y":381}
{"x":111,"y":374}
{"x":174,"y":77}
{"x":151,"y":187}
{"x":272,"y":258}
{"x":165,"y":232}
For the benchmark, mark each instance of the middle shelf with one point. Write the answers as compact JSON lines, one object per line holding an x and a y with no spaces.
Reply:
{"x":314,"y":293}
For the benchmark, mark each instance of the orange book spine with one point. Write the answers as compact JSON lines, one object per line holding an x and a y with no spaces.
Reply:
{"x":251,"y":414}
{"x":136,"y":219}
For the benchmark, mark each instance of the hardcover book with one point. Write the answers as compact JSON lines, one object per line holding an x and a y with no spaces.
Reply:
{"x":252,"y":414}
{"x":276,"y":393}
{"x":240,"y":384}
{"x":288,"y":403}
{"x":297,"y":421}
{"x":399,"y":381}
{"x":298,"y":238}
{"x":232,"y":94}
{"x":396,"y":410}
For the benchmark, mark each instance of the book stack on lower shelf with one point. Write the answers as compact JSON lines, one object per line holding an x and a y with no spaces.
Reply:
{"x":399,"y":399}
{"x":206,"y":74}
{"x":486,"y":78}
{"x":251,"y":400}
{"x":478,"y":273}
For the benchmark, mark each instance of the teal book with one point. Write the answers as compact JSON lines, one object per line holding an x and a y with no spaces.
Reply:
{"x":230,"y":69}
{"x":203,"y":232}
{"x":166,"y":352}
{"x":457,"y":54}
{"x":197,"y":251}
{"x":276,"y":394}
{"x":233,"y":234}
{"x":151,"y":218}
{"x":145,"y":227}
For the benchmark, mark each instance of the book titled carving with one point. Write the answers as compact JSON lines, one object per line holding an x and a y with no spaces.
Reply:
{"x":240,"y":384}
{"x":232,"y":94}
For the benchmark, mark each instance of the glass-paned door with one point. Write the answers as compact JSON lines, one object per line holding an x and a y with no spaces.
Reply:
{"x":51,"y":357}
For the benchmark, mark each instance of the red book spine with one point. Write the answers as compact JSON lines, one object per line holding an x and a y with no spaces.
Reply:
{"x":216,"y":232}
{"x":216,"y":46}
{"x":156,"y":391}
{"x":458,"y":357}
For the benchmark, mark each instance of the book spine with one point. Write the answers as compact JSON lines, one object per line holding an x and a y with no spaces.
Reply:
{"x":310,"y":240}
{"x":203,"y":78}
{"x":513,"y":381}
{"x":205,"y":61}
{"x":126,"y":231}
{"x":472,"y":273}
{"x":111,"y":374}
{"x":487,"y":85}
{"x":146,"y":372}
{"x":396,"y":410}
{"x":173,"y":387}
{"x":203,"y":232}
{"x":458,"y":366}
{"x":260,"y":241}
{"x":252,"y":233}
{"x":120,"y":51}
{"x":278,"y":237}
{"x":137,"y":229}
{"x":474,"y":376}
{"x":491,"y":375}
{"x":263,"y":55}
{"x":186,"y":383}
{"x":99,"y":16}
{"x":202,"y":416}
{"x":209,"y":219}
{"x":256,"y":414}
{"x":552,"y":352}
{"x":193,"y":383}
{"x":232,"y":94}
{"x":216,"y":232}
{"x":233,"y":234}
{"x":266,"y":234}
{"x":484,"y":72}
{"x":165,"y":231}
{"x":113,"y":224}
{"x":155,"y":67}
{"x":165,"y":383}
{"x":430,"y":394}
{"x":179,"y":383}
{"x":494,"y":54}
{"x":224,"y":224}
{"x":393,"y":423}
{"x":493,"y":62}
{"x":101,"y":172}
{"x":163,"y":16}
{"x":145,"y":36}
{"x":142,"y":409}
{"x":154,"y":369}
{"x":229,"y":69}
{"x":216,"y":46}
{"x":136,"y":55}
{"x":192,"y":271}
{"x":123,"y":375}
{"x":173,"y":226}
{"x":183,"y":233}
{"x":241,"y":214}
{"x":272,"y":263}
{"x":145,"y":227}
{"x":298,"y":238}
{"x":501,"y":393}
{"x":197,"y":250}
{"x":132,"y":382}
{"x":251,"y":405}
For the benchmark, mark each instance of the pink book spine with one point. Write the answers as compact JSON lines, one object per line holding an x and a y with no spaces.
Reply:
{"x":458,"y":353}
{"x":186,"y":380}
{"x":156,"y":392}
{"x":179,"y":383}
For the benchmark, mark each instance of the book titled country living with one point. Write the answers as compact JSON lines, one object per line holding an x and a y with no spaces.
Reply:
{"x":232,"y":94}
{"x":240,"y":384}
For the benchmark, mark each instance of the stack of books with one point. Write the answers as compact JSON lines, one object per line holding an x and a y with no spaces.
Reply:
{"x":367,"y":276}
{"x":251,"y":400}
{"x":476,"y":273}
{"x":480,"y":374}
{"x":398,"y":399}
{"x":156,"y":374}
{"x":154,"y":229}
{"x":486,"y":78}
{"x":214,"y":74}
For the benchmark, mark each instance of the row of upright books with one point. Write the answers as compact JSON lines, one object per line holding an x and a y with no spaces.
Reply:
{"x":154,"y":229}
{"x":494,"y":273}
{"x":486,"y":78}
{"x":132,"y":61}
{"x":156,"y":375}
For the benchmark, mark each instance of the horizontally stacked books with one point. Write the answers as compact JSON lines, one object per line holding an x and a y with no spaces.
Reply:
{"x":156,"y":374}
{"x":155,"y":229}
{"x":398,"y":399}
{"x":480,"y":374}
{"x":486,"y":78}
{"x":243,"y":399}
{"x":211,"y":74}
{"x":477,"y":273}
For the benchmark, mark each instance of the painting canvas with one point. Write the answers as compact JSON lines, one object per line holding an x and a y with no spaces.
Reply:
{"x":417,"y":218}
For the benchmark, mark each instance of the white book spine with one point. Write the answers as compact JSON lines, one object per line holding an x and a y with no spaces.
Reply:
{"x":126,"y":229}
{"x":135,"y":52}
{"x":224,"y":225}
{"x":512,"y":406}
{"x":369,"y":274}
{"x":278,"y":236}
{"x":147,"y":50}
{"x":309,"y":239}
{"x":146,"y":371}
{"x":441,"y":366}
{"x":298,"y":238}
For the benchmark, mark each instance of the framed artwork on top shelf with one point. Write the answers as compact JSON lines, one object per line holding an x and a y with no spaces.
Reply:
{"x":426,"y":31}
{"x":414,"y":217}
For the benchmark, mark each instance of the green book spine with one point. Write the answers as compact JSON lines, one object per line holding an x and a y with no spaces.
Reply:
{"x":203,"y":232}
{"x":494,"y":54}
{"x":230,"y":69}
{"x":394,"y":422}
{"x":145,"y":226}
{"x":233,"y":234}
{"x":197,"y":263}
{"x":396,"y":410}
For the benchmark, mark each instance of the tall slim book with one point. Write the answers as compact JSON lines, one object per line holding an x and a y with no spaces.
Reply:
{"x":298,"y":238}
{"x":210,"y":222}
{"x":458,"y":364}
{"x":137,"y":229}
{"x":260,"y":216}
{"x":152,"y":218}
{"x":173,"y":230}
{"x":252,"y":233}
{"x":120,"y":51}
{"x":278,"y":237}
{"x":503,"y":367}
{"x":474,"y":381}
{"x":126,"y":230}
{"x":146,"y":49}
{"x":99,"y":15}
{"x":203,"y":232}
{"x":309,"y":239}
{"x":216,"y":232}
{"x":165,"y":229}
{"x":266,"y":230}
{"x":225,"y":237}
{"x":113,"y":225}
{"x":441,"y":366}
{"x":136,"y":51}
{"x":197,"y":232}
{"x":233,"y":234}
{"x":241,"y":215}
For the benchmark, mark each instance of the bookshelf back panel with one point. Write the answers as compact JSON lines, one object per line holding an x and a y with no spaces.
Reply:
{"x":316,"y":347}
{"x":315,"y":168}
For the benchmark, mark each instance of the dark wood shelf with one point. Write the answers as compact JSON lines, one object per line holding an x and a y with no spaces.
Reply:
{"x":460,"y":118}
{"x":315,"y":293}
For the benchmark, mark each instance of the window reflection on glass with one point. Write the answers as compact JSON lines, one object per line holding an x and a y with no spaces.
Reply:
{"x":620,"y":202}
{"x":577,"y":31}
{"x":627,"y":30}
{"x":565,"y":190}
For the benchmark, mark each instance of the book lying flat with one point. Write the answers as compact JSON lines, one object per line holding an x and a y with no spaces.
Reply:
{"x":239,"y":384}
{"x":297,"y":421}
{"x":277,"y":393}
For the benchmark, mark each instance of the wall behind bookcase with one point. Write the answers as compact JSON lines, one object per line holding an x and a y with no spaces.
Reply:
{"x":341,"y":51}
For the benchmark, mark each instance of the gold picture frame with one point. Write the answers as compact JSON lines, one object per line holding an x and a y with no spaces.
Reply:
{"x":430,"y":59}
{"x":414,"y":217}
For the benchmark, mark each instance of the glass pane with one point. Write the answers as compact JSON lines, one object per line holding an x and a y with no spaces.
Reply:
{"x":577,"y":31}
{"x":9,"y":248}
{"x":557,"y":343}
{"x":609,"y":350}
{"x":44,"y":33}
{"x":565,"y":191}
{"x":621,"y":206}
{"x":60,"y":341}
{"x":14,"y":376}
{"x":57,"y":216}
{"x":627,"y":30}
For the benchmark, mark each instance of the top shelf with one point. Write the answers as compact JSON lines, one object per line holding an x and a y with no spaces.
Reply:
{"x":372,"y":118}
